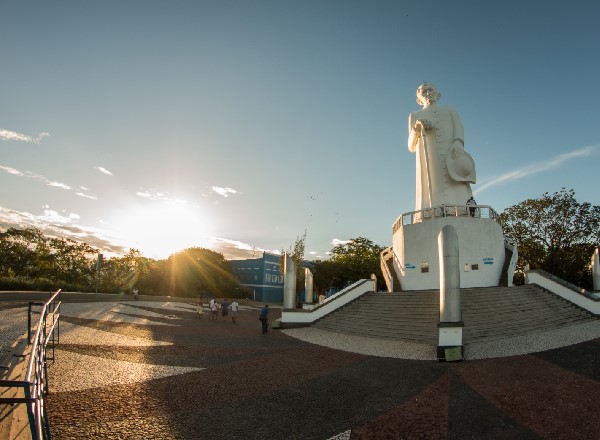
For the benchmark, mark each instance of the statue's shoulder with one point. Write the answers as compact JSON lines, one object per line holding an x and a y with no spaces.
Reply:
{"x":417,"y":114}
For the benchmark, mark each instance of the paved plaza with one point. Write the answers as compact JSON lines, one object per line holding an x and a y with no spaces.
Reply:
{"x":151,"y":370}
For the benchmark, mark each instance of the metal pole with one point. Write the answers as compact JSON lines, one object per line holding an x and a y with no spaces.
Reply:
{"x":426,"y":151}
{"x":29,"y":324}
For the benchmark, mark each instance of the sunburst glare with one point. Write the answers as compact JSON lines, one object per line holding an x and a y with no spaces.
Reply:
{"x":160,"y":229}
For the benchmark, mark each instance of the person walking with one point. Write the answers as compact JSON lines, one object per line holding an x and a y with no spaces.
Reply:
{"x":224,"y":308}
{"x":234,"y":310}
{"x":264,"y":318}
{"x":199,"y":309}
{"x":213,"y":309}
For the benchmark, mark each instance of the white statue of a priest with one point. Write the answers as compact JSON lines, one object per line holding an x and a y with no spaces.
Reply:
{"x":444,"y":170}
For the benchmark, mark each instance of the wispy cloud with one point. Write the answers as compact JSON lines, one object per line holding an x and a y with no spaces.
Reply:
{"x":60,"y":224}
{"x":10,"y":170}
{"x":8,"y":135}
{"x":238,"y":250}
{"x":151,"y":194}
{"x":103,"y":170}
{"x":50,"y":216}
{"x":536,"y":168}
{"x":225,"y":192}
{"x":35,"y":176}
{"x":87,"y":196}
{"x":59,"y":185}
{"x":337,"y":242}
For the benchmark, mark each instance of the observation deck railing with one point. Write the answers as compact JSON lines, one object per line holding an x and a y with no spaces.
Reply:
{"x":34,"y":385}
{"x":472,"y":211}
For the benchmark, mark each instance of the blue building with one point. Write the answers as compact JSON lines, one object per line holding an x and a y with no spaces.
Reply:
{"x":261,"y":276}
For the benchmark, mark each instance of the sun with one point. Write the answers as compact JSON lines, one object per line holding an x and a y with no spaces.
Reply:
{"x":161,"y":228}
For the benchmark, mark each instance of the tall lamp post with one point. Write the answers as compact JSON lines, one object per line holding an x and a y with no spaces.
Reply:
{"x":98,"y":269}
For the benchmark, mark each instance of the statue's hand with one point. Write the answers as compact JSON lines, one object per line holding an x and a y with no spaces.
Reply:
{"x":456,"y":149}
{"x":422,"y":124}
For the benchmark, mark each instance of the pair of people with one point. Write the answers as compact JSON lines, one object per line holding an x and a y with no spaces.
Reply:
{"x":225,"y":306}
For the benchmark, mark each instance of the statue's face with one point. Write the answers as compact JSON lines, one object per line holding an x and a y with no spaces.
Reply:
{"x":428,"y":94}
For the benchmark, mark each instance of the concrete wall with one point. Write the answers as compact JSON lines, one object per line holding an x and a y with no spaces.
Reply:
{"x":334,"y":302}
{"x":554,"y":286}
{"x":481,"y":243}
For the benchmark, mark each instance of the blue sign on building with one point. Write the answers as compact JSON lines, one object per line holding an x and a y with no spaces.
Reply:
{"x":261,"y":276}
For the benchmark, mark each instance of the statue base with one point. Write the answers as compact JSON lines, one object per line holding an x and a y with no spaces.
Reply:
{"x":480,"y":239}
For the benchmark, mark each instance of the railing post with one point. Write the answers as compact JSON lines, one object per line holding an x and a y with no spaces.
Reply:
{"x":29,"y":323}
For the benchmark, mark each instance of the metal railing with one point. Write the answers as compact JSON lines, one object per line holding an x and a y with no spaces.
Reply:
{"x":473,"y":211}
{"x":35,"y":382}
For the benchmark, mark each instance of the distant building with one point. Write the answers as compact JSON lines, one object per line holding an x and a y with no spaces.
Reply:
{"x":261,"y":276}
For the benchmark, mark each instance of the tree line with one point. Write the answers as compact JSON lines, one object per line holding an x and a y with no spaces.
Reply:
{"x":30,"y":260}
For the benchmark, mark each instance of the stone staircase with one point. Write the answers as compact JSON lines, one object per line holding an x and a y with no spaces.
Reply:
{"x":488,"y":313}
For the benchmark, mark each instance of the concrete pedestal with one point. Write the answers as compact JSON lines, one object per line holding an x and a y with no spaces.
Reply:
{"x":480,"y":238}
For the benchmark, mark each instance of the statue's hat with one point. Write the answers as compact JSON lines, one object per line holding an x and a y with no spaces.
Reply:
{"x":461,"y":169}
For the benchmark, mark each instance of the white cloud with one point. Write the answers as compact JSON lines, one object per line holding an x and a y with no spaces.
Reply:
{"x":58,"y":185}
{"x":31,"y":175}
{"x":337,"y":242}
{"x":237,"y":250}
{"x":103,"y":170}
{"x":151,"y":194}
{"x":539,"y":167}
{"x":10,"y":170}
{"x":80,"y":194}
{"x":55,"y":224}
{"x":224,"y":191}
{"x":51,"y":216}
{"x":8,"y":135}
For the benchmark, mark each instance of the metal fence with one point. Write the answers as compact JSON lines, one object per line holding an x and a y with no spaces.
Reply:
{"x":473,"y":211}
{"x":34,"y":385}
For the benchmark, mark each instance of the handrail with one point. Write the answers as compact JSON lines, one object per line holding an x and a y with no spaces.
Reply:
{"x":473,"y":211}
{"x":387,"y":275}
{"x":399,"y":264}
{"x":39,"y":384}
{"x":35,"y":382}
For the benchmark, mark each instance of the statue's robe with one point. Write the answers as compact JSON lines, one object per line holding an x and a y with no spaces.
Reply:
{"x":446,"y":128}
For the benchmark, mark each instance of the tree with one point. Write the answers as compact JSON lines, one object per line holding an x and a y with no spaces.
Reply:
{"x":554,"y":233}
{"x":120,"y":274}
{"x":29,"y":254}
{"x":357,"y":259}
{"x":18,"y":251}
{"x":198,"y":271}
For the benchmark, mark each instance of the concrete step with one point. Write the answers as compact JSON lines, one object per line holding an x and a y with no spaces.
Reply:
{"x":472,"y":335}
{"x":488,"y":313}
{"x":430,"y":338}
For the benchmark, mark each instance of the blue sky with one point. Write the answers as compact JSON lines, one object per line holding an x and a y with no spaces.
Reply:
{"x":238,"y":125}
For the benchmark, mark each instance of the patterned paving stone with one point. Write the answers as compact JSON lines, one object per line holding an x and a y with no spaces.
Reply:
{"x":122,"y":374}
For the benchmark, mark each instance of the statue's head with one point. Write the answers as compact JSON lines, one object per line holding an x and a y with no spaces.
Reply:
{"x":427,"y":93}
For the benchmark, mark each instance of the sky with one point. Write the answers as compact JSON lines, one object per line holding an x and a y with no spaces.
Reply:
{"x":237,"y":125}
